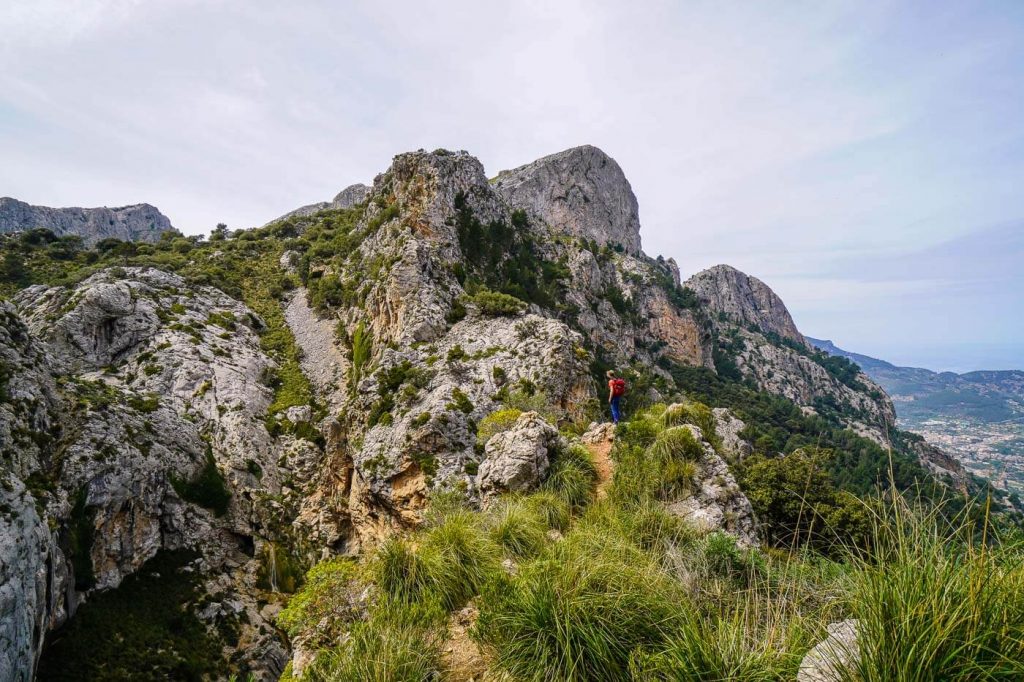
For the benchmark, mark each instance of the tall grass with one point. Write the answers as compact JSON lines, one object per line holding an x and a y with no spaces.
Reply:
{"x":934,"y":603}
{"x":579,"y":610}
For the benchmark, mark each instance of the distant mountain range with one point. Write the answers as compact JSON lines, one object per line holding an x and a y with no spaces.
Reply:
{"x":986,"y":395}
{"x":138,"y":222}
{"x":978,"y":416}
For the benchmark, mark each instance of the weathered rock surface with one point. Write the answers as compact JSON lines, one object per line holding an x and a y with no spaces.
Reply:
{"x":156,"y":376}
{"x":346,"y":198}
{"x":728,"y":428}
{"x":832,"y":659}
{"x":140,"y":222}
{"x":517,"y":460}
{"x":745,"y":299}
{"x":717,"y":503}
{"x":581,"y":191}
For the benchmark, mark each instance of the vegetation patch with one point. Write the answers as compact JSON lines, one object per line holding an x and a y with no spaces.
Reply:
{"x":143,"y":630}
{"x":208,"y":489}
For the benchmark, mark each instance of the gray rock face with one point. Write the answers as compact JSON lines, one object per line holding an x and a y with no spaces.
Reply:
{"x":346,"y":198}
{"x":140,"y":222}
{"x":832,"y":659}
{"x":728,"y":427}
{"x":351,"y":195}
{"x":716,"y":503}
{"x":155,"y":374}
{"x":517,"y":460}
{"x":581,"y":192}
{"x":745,"y":299}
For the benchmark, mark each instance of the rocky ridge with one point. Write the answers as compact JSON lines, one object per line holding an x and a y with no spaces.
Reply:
{"x":139,"y":222}
{"x":142,"y":379}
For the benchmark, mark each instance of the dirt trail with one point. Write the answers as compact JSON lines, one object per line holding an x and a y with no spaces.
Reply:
{"x":461,"y":657}
{"x":599,"y":441}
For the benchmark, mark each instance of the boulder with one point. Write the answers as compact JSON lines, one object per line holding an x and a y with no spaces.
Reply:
{"x":517,"y":460}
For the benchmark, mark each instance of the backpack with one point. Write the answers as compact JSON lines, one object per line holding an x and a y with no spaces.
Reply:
{"x":618,"y":387}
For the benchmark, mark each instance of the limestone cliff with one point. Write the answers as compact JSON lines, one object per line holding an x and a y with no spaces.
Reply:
{"x":140,"y":222}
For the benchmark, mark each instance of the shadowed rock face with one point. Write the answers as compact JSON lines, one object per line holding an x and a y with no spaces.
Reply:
{"x":581,"y":191}
{"x":140,"y":222}
{"x":745,"y":299}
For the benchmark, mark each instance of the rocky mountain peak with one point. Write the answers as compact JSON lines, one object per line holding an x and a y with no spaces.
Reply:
{"x":581,"y":191}
{"x":138,"y":222}
{"x":745,"y":299}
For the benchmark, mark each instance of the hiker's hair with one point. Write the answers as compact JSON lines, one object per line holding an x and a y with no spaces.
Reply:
{"x":610,"y":374}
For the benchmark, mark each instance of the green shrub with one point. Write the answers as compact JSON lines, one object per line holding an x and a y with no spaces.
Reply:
{"x":398,"y":643}
{"x":495,"y":423}
{"x":518,"y":529}
{"x":450,"y":564}
{"x":572,"y":476}
{"x":148,"y":404}
{"x":933,"y":604}
{"x":460,"y":401}
{"x":208,"y":489}
{"x":456,"y":353}
{"x":495,"y":304}
{"x":362,"y":348}
{"x":676,"y":443}
{"x":697,"y":414}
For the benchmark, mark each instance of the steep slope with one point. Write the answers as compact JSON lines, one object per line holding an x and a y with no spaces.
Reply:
{"x":139,"y":222}
{"x":758,"y":340}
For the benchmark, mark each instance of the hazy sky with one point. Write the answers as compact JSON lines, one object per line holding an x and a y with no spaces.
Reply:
{"x":866,"y":159}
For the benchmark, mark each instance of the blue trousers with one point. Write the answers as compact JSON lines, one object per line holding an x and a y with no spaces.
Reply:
{"x":616,"y":408}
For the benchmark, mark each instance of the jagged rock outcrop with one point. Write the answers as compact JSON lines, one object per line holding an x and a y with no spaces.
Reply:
{"x":517,"y":460}
{"x":728,"y":427}
{"x":744,"y":299}
{"x":139,"y":222}
{"x":757,"y":332}
{"x":156,"y":376}
{"x":346,"y":198}
{"x":581,"y":191}
{"x":716,"y":502}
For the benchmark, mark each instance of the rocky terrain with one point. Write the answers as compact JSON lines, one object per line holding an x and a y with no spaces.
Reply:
{"x":346,"y":198}
{"x":140,"y":222}
{"x":307,"y":390}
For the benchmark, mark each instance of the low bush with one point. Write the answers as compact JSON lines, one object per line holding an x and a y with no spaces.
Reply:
{"x":579,"y":610}
{"x":495,"y":423}
{"x":496,"y":304}
{"x":572,"y":476}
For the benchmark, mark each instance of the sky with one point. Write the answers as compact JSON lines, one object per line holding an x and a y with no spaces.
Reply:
{"x":865,"y":159}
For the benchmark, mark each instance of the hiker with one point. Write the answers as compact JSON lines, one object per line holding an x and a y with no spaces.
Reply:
{"x":616,"y":389}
